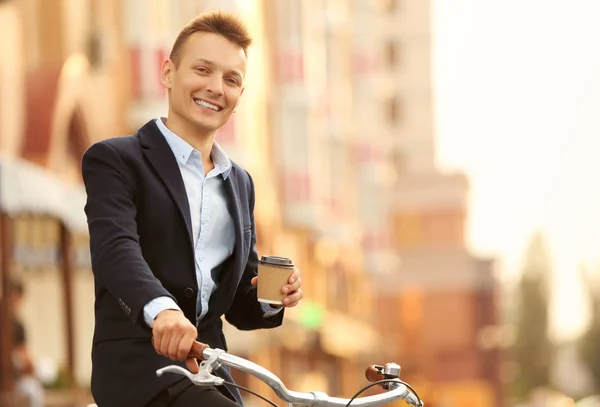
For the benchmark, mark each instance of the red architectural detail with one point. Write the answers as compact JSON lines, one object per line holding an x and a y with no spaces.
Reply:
{"x":364,"y":153}
{"x":291,"y":66}
{"x":297,"y":186}
{"x":364,"y":63}
{"x":226,"y":133}
{"x":41,"y":93}
{"x":135,"y":57}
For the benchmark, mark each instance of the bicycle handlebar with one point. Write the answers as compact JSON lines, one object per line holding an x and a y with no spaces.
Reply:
{"x":214,"y":358}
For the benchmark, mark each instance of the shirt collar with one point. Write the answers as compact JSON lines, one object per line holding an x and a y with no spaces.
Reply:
{"x":183,"y":150}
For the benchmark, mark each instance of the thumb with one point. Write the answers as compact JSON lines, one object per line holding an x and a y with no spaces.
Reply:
{"x":192,"y":365}
{"x":254,"y":281}
{"x":195,"y":353}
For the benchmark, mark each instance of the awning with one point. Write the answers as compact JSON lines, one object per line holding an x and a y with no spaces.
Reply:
{"x":29,"y":188}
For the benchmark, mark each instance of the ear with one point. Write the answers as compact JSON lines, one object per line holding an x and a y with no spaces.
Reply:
{"x":238,"y":102}
{"x":166,"y":73}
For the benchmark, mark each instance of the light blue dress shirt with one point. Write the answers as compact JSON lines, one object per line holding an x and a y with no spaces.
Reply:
{"x":212,"y":225}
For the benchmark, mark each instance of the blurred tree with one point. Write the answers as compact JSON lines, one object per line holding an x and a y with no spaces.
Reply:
{"x":532,"y":350}
{"x":589,"y":344}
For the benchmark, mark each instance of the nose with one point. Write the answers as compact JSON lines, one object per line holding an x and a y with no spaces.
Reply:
{"x":215,"y":85}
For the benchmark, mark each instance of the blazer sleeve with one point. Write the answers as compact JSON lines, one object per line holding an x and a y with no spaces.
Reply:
{"x":117,"y":260}
{"x":246,"y":313}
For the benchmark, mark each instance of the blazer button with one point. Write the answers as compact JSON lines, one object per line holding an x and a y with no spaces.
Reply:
{"x":188,"y":292}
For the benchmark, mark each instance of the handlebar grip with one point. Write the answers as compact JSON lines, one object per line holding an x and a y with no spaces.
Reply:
{"x":372,"y":374}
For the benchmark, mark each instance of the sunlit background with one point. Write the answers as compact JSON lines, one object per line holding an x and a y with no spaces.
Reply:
{"x":428,"y":164}
{"x":517,"y":98}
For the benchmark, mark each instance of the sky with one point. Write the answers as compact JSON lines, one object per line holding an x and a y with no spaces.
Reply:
{"x":517,"y":96}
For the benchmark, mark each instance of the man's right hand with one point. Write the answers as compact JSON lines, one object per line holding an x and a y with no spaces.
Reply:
{"x":174,"y":336}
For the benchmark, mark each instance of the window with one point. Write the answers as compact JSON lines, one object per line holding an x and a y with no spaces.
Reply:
{"x":394,"y":111}
{"x":408,"y":230}
{"x":290,"y":39}
{"x":399,"y":160}
{"x":340,"y":289}
{"x":392,"y":57}
{"x":390,"y":6}
{"x":94,"y":49}
{"x":77,"y":137}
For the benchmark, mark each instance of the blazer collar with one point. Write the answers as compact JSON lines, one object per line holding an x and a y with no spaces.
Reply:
{"x":183,"y":150}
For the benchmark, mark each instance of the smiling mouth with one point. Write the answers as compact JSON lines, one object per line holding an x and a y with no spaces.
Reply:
{"x":207,"y":105}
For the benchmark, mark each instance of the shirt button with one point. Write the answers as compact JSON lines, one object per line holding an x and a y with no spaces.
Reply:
{"x":188,"y":292}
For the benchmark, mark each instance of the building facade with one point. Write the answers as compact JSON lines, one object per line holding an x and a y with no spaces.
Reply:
{"x":98,"y":77}
{"x":442,"y":300}
{"x":336,"y":128}
{"x":59,"y":93}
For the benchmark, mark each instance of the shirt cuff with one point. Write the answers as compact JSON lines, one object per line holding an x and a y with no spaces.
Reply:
{"x":156,"y":306}
{"x":269,"y":311}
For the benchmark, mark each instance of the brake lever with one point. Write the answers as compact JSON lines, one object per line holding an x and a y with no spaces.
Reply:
{"x":204,"y":377}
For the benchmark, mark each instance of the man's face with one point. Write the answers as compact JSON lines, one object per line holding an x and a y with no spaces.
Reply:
{"x":207,"y":85}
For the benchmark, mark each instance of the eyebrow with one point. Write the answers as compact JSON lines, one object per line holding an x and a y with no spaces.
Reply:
{"x":212,"y":64}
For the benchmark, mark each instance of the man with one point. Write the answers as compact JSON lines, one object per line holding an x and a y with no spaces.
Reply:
{"x":28,"y":388}
{"x":172,"y":232}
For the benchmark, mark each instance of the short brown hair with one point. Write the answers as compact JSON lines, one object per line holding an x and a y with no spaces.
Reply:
{"x":224,"y":24}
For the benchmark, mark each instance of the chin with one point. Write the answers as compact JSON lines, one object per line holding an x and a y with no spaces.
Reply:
{"x":205,"y":126}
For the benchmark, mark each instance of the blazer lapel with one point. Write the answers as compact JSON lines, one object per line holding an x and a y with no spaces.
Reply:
{"x":233,"y":203}
{"x":159,"y":154}
{"x":222,"y":297}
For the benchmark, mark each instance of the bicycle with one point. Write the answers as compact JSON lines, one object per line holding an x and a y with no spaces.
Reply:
{"x":214,"y":358}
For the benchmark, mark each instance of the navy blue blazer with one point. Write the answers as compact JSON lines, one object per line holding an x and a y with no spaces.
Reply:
{"x":141,"y":248}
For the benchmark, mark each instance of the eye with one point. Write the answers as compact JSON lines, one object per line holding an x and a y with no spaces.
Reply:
{"x":201,"y":69}
{"x":232,"y":81}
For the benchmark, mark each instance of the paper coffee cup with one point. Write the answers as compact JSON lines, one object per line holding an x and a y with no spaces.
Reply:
{"x":273,"y":273}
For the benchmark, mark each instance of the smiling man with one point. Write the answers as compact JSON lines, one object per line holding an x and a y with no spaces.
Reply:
{"x":172,"y":232}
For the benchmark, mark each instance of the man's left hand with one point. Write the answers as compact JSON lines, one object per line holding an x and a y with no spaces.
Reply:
{"x":293,"y":290}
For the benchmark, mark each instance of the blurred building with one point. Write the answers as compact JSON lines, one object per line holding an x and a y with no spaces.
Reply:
{"x":71,"y":71}
{"x":570,"y":374}
{"x":288,"y":134}
{"x":60,"y":91}
{"x":336,"y":127}
{"x":441,"y":299}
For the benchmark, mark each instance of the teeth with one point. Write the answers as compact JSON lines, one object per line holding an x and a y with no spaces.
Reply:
{"x":207,"y":105}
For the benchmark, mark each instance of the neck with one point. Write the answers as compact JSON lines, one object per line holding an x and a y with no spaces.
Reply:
{"x":201,"y":141}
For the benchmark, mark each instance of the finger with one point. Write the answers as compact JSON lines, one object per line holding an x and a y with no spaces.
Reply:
{"x":185,"y":346}
{"x":294,"y":277}
{"x":173,"y":349}
{"x":254,"y":281}
{"x":156,"y":338}
{"x":290,"y":288}
{"x":293,"y":299}
{"x":163,"y":346}
{"x":192,"y":365}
